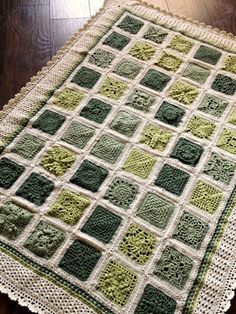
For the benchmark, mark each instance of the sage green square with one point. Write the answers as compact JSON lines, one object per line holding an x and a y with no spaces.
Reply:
{"x":28,"y":146}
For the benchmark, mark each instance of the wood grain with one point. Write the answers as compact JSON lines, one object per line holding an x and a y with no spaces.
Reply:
{"x":31,"y":31}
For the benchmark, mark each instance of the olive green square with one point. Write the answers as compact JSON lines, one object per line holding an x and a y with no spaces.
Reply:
{"x":181,"y":44}
{"x":169,"y":62}
{"x":200,"y":127}
{"x":68,"y":99}
{"x":183,"y":92}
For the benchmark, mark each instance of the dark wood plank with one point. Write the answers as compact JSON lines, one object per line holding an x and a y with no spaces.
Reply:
{"x":62,"y":30}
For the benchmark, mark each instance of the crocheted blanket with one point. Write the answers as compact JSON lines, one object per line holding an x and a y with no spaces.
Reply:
{"x":117,"y":170}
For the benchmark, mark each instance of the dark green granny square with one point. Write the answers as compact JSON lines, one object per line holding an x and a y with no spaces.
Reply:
{"x":130,"y":24}
{"x":224,"y":84}
{"x":95,"y":110}
{"x":170,"y":114}
{"x":86,"y":77}
{"x":10,"y":171}
{"x":49,"y":122}
{"x":116,"y":41}
{"x":155,"y":80}
{"x":207,"y":54}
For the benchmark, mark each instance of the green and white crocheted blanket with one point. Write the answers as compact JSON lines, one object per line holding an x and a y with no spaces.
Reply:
{"x":118,"y":171}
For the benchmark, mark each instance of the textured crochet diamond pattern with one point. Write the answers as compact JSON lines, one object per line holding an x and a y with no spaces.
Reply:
{"x":125,"y":123}
{"x":155,"y":137}
{"x":28,"y":146}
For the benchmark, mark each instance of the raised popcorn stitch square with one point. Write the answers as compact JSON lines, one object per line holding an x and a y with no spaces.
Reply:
{"x":183,"y":92}
{"x":69,"y":99}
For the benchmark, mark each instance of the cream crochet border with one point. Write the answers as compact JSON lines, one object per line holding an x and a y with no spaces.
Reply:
{"x":53,"y":73}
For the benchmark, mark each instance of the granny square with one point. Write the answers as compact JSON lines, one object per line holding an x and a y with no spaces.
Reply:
{"x":207,"y":54}
{"x":102,"y":224}
{"x":155,"y":137}
{"x":230,"y":64}
{"x":190,"y":230}
{"x":155,"y":80}
{"x":49,"y":122}
{"x":183,"y":92}
{"x":128,"y":69}
{"x":102,"y":58}
{"x":170,"y":114}
{"x":140,"y":100}
{"x":116,"y":283}
{"x":14,"y":219}
{"x":224,"y":84}
{"x":140,"y":163}
{"x":89,"y":176}
{"x":80,"y":259}
{"x":142,"y":51}
{"x":206,"y":197}
{"x":44,"y":240}
{"x":174,"y":267}
{"x":156,"y":210}
{"x":213,"y":105}
{"x":69,"y":206}
{"x":86,"y":77}
{"x":10,"y":171}
{"x":169,"y":62}
{"x":155,"y":34}
{"x":57,"y":160}
{"x":78,"y":134}
{"x":154,"y":300}
{"x":130,"y":24}
{"x":113,"y":88}
{"x":232,"y":117}
{"x":68,"y":99}
{"x":125,"y":123}
{"x":172,"y":179}
{"x":219,"y":168}
{"x":95,"y":110}
{"x":121,"y":192}
{"x":200,"y":127}
{"x":226,"y":140}
{"x":35,"y":189}
{"x":116,"y":41}
{"x":28,"y":146}
{"x":187,"y":152}
{"x":181,"y":44}
{"x":196,"y":73}
{"x":137,"y":244}
{"x":108,"y":148}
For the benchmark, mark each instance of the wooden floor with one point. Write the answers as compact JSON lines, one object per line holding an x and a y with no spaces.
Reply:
{"x":31,"y":31}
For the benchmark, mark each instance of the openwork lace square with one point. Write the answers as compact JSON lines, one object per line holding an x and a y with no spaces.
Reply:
{"x":140,"y":100}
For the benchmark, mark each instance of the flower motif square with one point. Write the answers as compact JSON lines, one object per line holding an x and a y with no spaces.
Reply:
{"x":140,"y":163}
{"x":130,"y":24}
{"x":49,"y":122}
{"x":44,"y":240}
{"x":57,"y":160}
{"x":116,"y":283}
{"x":156,"y":210}
{"x":86,"y":77}
{"x":181,"y":44}
{"x":78,"y":134}
{"x":155,"y":34}
{"x":140,"y":100}
{"x":116,"y":41}
{"x":227,"y":140}
{"x":155,"y":80}
{"x":108,"y":148}
{"x":113,"y":88}
{"x":207,"y":55}
{"x":28,"y":146}
{"x":68,"y":99}
{"x":196,"y":73}
{"x":200,"y":127}
{"x":102,"y":224}
{"x":121,"y":192}
{"x":102,"y":58}
{"x":170,"y":114}
{"x":187,"y":152}
{"x":127,"y":68}
{"x":206,"y":197}
{"x":224,"y":84}
{"x":80,"y":260}
{"x":155,"y":137}
{"x":190,"y":230}
{"x":69,"y":206}
{"x":172,"y":179}
{"x":154,"y":300}
{"x":95,"y":110}
{"x":125,"y":123}
{"x":142,"y":51}
{"x":137,"y":244}
{"x":89,"y":176}
{"x":13,"y":220}
{"x":183,"y":92}
{"x":230,"y":64}
{"x":10,"y":171}
{"x":169,"y":62}
{"x":174,"y":267}
{"x":213,"y":105}
{"x":219,"y":168}
{"x":36,"y":189}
